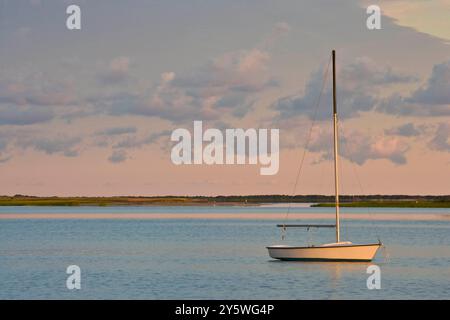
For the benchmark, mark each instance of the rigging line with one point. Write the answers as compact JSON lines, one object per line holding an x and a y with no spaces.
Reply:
{"x":325,"y":75}
{"x":353,"y":166}
{"x":343,"y":189}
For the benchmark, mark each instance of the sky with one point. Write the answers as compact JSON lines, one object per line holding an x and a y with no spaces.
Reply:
{"x":91,"y":111}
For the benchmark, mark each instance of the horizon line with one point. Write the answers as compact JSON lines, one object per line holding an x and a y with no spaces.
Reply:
{"x":227,"y":195}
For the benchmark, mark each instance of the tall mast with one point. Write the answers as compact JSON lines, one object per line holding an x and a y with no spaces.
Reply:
{"x":336,"y":173}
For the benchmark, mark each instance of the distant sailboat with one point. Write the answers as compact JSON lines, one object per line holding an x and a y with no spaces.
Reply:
{"x":340,"y":250}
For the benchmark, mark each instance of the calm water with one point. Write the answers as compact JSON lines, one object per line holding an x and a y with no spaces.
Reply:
{"x":203,"y":258}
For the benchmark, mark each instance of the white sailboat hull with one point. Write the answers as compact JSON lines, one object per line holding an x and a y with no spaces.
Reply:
{"x":338,"y":252}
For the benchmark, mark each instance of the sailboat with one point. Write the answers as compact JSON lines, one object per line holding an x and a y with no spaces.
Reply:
{"x":339,"y":250}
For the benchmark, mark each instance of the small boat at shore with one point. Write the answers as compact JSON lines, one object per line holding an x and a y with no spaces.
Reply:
{"x":339,"y":250}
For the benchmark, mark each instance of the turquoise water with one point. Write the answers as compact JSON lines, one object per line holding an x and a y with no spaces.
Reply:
{"x":215,"y":259}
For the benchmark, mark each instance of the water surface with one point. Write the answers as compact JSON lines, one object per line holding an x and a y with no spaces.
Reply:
{"x":216,"y":253}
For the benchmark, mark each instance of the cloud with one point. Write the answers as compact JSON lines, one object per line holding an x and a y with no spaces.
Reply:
{"x":5,"y":159}
{"x":118,"y":156}
{"x":357,"y":147}
{"x":406,"y":130}
{"x":351,"y":103}
{"x":3,"y":145}
{"x":71,"y":153}
{"x":223,"y":86}
{"x":392,"y":149}
{"x":133,"y":142}
{"x":441,"y":139}
{"x":226,"y":85}
{"x":19,"y":115}
{"x":78,"y":112}
{"x":114,"y":131}
{"x":437,"y":89}
{"x":121,"y":147}
{"x":365,"y":72}
{"x":242,"y":70}
{"x":158,"y":135}
{"x":117,"y":71}
{"x":431,"y":99}
{"x":163,"y":101}
{"x":36,"y":91}
{"x":55,"y":145}
{"x":358,"y":84}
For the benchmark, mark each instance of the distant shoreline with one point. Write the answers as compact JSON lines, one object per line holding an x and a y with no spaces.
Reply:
{"x":386,"y":201}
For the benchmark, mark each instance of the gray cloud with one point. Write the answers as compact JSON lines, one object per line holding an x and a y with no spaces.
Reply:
{"x":130,"y":142}
{"x":431,"y":99}
{"x":4,"y":142}
{"x":61,"y":144}
{"x":158,"y":135}
{"x":351,"y":103}
{"x":118,"y":156}
{"x":441,"y":139}
{"x":406,"y":130}
{"x":134,"y":142}
{"x":437,"y":89}
{"x":19,"y":115}
{"x":358,"y":84}
{"x":120,"y":153}
{"x":36,"y":91}
{"x":364,"y":72}
{"x":226,"y":85}
{"x":71,"y":153}
{"x":116,"y":131}
{"x":103,"y":143}
{"x":176,"y":107}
